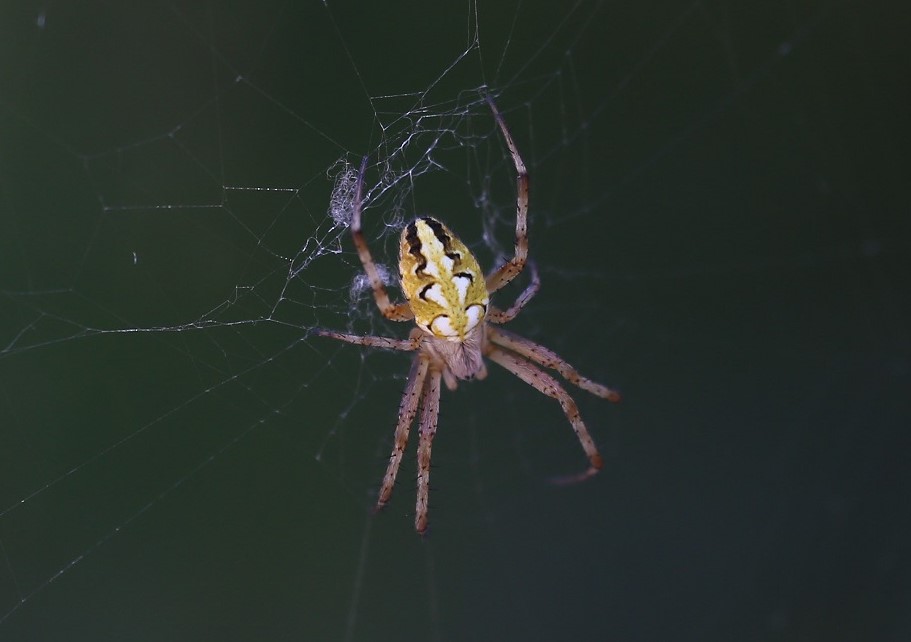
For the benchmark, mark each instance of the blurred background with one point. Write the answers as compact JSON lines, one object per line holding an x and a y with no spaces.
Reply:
{"x":720,"y":217}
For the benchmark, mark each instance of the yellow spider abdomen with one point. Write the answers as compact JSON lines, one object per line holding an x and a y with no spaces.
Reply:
{"x":442,"y":280}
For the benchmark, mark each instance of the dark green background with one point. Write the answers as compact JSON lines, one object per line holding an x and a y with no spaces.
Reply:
{"x":720,"y":214}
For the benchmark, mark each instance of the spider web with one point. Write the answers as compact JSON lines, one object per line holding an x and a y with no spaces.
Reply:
{"x":717,"y":219}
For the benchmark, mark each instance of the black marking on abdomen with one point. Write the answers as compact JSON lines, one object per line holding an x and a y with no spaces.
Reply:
{"x":466,"y":275}
{"x":414,"y":246}
{"x":438,"y":232}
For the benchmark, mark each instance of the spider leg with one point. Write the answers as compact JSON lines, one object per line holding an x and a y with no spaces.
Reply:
{"x":544,"y":383}
{"x":404,"y":345}
{"x":407,"y":410}
{"x":495,"y":315}
{"x":509,"y":270}
{"x":430,"y":410}
{"x":390,"y":310}
{"x":549,"y":359}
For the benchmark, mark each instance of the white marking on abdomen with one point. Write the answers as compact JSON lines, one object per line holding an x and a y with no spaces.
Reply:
{"x":431,"y":269}
{"x":442,"y":327}
{"x":461,"y":283}
{"x":474,"y":314}
{"x":435,"y":293}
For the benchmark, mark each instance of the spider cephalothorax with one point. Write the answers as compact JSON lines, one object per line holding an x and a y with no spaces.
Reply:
{"x":448,"y":297}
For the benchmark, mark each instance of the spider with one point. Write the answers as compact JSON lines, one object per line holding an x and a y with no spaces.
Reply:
{"x":448,"y":298}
